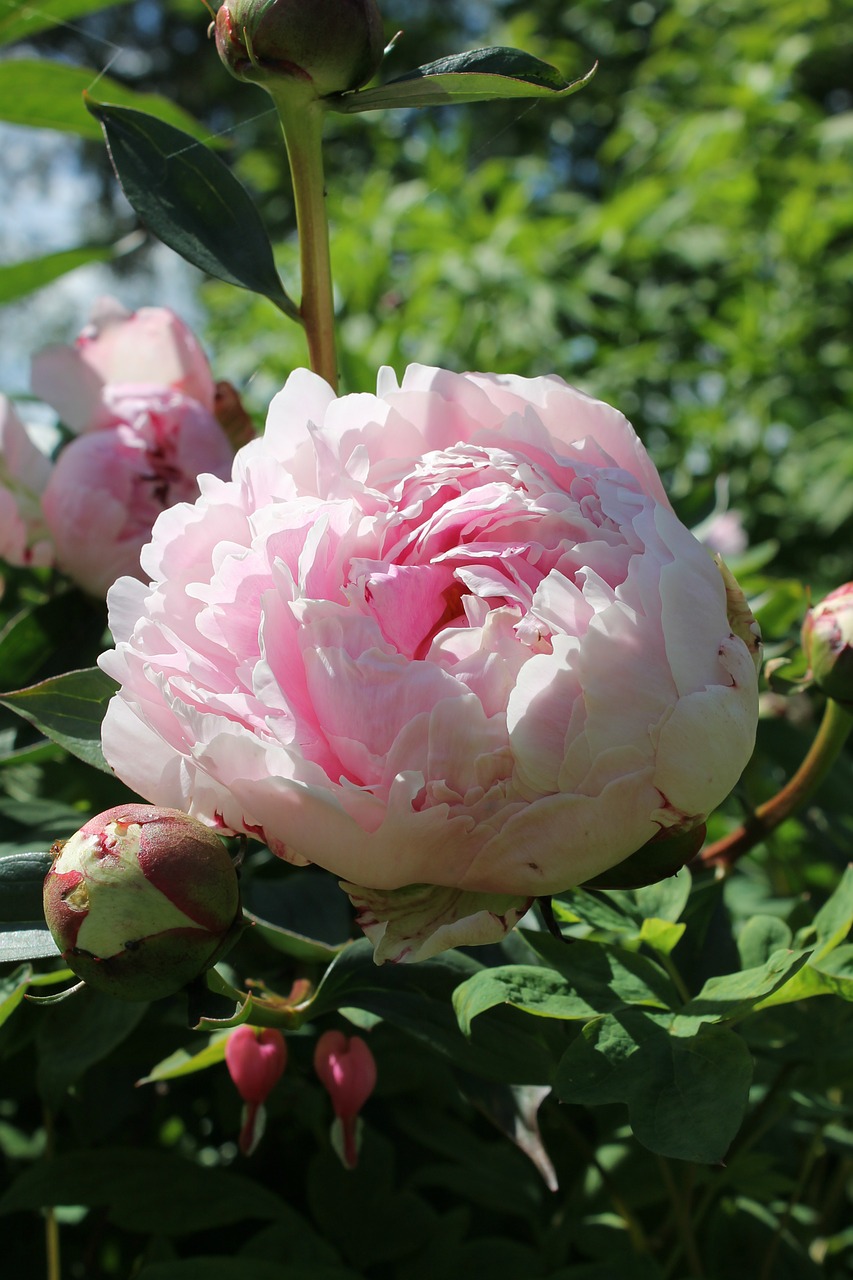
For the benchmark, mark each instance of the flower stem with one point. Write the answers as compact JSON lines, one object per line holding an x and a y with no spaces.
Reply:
{"x":831,"y":736}
{"x":302,"y":126}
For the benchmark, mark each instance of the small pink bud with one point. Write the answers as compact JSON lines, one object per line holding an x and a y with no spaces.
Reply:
{"x":828,"y":644}
{"x":255,"y":1062}
{"x":347,"y":1070}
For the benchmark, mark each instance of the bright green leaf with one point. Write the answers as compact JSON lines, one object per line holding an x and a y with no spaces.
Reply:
{"x":49,"y":95}
{"x":661,"y":935}
{"x":21,"y":19}
{"x":182,"y":1063}
{"x":732,"y":995}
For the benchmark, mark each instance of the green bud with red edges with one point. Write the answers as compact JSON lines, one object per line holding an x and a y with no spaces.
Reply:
{"x":828,"y":644}
{"x":323,"y":46}
{"x":141,"y":900}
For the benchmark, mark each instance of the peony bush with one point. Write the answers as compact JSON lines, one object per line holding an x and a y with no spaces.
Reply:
{"x":449,"y":641}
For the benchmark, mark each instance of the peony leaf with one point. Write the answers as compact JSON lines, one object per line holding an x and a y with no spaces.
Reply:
{"x":522,"y":986}
{"x":68,"y":709}
{"x":35,"y":641}
{"x":732,"y":995}
{"x":416,"y":999}
{"x":686,"y":1095}
{"x":606,"y":977}
{"x":190,"y":199}
{"x":26,"y":942}
{"x":482,"y":75}
{"x":47,"y":95}
{"x":21,"y":881}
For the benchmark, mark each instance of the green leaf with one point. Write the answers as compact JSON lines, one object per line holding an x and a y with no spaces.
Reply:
{"x":68,"y":709}
{"x":537,"y":991}
{"x":835,"y":918}
{"x":182,"y":1063}
{"x":21,"y":278}
{"x":304,"y":914}
{"x":417,"y":999}
{"x":610,"y":912}
{"x":760,"y":937}
{"x":152,"y":1192}
{"x":49,"y":95}
{"x":21,"y":883}
{"x":661,"y":935}
{"x":76,"y":1034}
{"x":21,"y":942}
{"x":686,"y":1095}
{"x":189,"y":198}
{"x":12,"y":991}
{"x":20,"y":19}
{"x":606,"y":976}
{"x":50,"y":632}
{"x":732,"y":995}
{"x":482,"y":75}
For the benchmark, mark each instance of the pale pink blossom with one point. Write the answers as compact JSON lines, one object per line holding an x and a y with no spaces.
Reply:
{"x":449,"y":642}
{"x":151,"y":347}
{"x":108,"y":486}
{"x":24,"y":472}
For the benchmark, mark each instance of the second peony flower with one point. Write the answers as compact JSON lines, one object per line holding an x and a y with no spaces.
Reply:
{"x":449,"y":642}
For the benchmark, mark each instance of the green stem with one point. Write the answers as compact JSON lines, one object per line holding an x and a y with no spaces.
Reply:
{"x":681,"y":1210}
{"x":51,"y":1226}
{"x":302,"y":125}
{"x":831,"y":736}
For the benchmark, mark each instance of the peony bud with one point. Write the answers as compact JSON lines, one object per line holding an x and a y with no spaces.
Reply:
{"x":255,"y":1062}
{"x":347,"y":1070}
{"x":828,"y":644}
{"x":327,"y":46}
{"x":141,"y":900}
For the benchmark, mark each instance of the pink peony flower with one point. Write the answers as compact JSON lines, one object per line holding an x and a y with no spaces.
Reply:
{"x":24,"y":472}
{"x":109,"y":486}
{"x":347,"y":1071}
{"x":151,"y":347}
{"x":449,"y":642}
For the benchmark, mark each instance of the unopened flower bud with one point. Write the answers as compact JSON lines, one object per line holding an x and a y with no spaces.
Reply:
{"x":828,"y":644}
{"x":329,"y":46}
{"x":255,"y":1062}
{"x":141,"y":900}
{"x":347,"y":1070}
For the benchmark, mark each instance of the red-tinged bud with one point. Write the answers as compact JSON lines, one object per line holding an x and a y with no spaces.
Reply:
{"x":255,"y":1062}
{"x":141,"y":900}
{"x":828,"y":644}
{"x":347,"y":1070}
{"x":327,"y":46}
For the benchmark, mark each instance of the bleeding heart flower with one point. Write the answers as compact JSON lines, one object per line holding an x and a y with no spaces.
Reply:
{"x":347,"y":1070}
{"x":255,"y":1061}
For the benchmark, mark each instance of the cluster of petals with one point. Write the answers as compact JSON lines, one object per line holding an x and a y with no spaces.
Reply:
{"x":449,"y":642}
{"x":136,"y":391}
